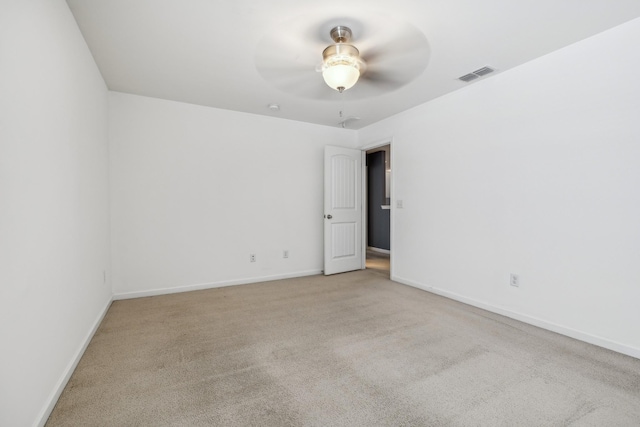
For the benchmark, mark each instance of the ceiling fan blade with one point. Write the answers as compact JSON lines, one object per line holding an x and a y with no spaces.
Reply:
{"x":396,"y":60}
{"x":287,"y":63}
{"x":281,"y":74}
{"x":289,"y":58}
{"x":384,"y":81}
{"x":316,"y":89}
{"x":375,"y":83}
{"x":298,"y":81}
{"x":391,"y":75}
{"x":396,"y":40}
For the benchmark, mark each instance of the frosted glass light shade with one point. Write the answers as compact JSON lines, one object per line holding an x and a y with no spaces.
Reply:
{"x":341,"y":76}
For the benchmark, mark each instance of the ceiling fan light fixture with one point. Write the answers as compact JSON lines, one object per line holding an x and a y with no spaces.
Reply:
{"x":341,"y":61}
{"x":341,"y":76}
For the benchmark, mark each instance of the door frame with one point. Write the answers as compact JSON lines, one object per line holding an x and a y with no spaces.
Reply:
{"x":365,"y":211}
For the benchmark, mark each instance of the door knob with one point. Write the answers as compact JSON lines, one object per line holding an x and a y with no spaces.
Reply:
{"x":329,"y":217}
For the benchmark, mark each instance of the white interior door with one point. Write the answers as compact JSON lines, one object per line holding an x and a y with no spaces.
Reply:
{"x":342,"y":210}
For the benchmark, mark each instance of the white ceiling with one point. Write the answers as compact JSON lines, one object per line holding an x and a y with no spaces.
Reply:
{"x":205,"y":51}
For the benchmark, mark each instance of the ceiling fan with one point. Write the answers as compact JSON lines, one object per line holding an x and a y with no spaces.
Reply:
{"x":389,"y":55}
{"x":341,"y":62}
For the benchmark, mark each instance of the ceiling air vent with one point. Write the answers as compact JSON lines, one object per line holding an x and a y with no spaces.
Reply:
{"x":483,"y":71}
{"x":468,"y":77}
{"x":476,"y":74}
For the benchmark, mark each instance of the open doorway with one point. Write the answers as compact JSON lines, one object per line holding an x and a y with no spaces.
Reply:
{"x":378,"y":209}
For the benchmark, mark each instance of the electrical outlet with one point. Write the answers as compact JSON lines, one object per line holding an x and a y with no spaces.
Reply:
{"x":399,"y":204}
{"x":285,"y":254}
{"x":514,"y":280}
{"x":252,"y":258}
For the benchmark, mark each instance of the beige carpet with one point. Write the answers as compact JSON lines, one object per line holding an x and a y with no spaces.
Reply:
{"x":353,"y":349}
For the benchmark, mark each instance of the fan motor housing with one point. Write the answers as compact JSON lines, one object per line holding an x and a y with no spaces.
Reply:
{"x":340,"y":50}
{"x":340,"y":34}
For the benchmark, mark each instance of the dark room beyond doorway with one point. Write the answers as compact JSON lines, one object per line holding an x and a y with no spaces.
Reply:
{"x":378,"y":208}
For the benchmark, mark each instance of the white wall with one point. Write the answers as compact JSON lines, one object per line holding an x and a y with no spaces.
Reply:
{"x":195,"y":190}
{"x":53,"y":204}
{"x":534,"y":171}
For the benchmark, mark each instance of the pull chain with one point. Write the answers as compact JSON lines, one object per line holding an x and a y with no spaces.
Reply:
{"x":342,"y":121}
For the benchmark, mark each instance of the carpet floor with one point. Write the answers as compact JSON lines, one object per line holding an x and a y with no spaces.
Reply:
{"x":352,"y":349}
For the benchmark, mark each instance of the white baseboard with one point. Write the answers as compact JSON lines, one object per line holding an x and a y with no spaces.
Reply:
{"x":221,"y":284}
{"x":382,"y":251}
{"x":62,"y":382}
{"x":579,"y":335}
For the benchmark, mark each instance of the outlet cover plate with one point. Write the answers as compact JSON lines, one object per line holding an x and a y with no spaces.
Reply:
{"x":514,"y":280}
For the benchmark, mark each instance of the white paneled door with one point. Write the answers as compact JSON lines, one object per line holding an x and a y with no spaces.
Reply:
{"x":342,"y":210}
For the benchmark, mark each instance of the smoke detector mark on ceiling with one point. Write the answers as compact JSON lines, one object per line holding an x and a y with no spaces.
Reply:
{"x":343,"y":124}
{"x":481,"y":72}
